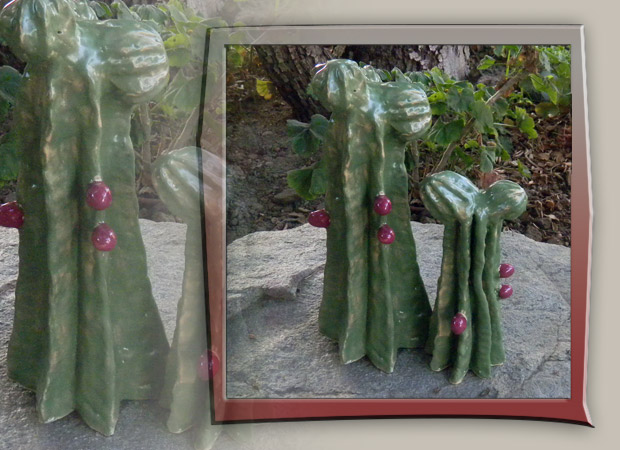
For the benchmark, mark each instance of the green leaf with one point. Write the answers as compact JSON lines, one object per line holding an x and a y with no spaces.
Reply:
{"x":486,"y":62}
{"x":123,"y":12}
{"x":318,"y":126}
{"x":524,"y":171}
{"x":176,"y":41}
{"x":439,"y":108}
{"x":547,"y":109}
{"x":301,"y":181}
{"x":505,"y":143}
{"x":179,"y":57}
{"x":525,"y":123}
{"x":500,"y":107}
{"x":10,"y":81}
{"x":318,"y":183}
{"x":445,"y":134}
{"x":487,"y":160}
{"x":304,"y":142}
{"x":467,"y":159}
{"x":460,"y":99}
{"x":483,"y":116}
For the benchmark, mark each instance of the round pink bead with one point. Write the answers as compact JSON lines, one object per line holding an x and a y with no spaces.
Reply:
{"x":319,"y":218}
{"x":383,"y":205}
{"x":104,"y":238}
{"x":99,"y":196}
{"x":11,"y":215}
{"x":459,"y":324}
{"x":505,"y":291}
{"x":506,"y":270}
{"x":208,"y":365}
{"x":386,"y":235}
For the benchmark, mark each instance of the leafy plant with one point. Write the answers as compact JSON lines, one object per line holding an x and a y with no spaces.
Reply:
{"x":472,"y":124}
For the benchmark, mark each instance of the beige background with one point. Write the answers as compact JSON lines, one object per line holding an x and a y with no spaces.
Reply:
{"x":602,"y":36}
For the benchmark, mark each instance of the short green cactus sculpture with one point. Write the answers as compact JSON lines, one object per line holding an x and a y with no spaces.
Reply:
{"x":177,"y":180}
{"x":465,"y":328}
{"x":374,"y":301}
{"x":87,"y":333}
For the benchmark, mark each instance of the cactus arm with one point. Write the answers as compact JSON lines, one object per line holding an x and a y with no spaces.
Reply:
{"x":481,"y":363}
{"x":445,"y":304}
{"x":464,"y":341}
{"x":176,"y":179}
{"x":491,"y":284}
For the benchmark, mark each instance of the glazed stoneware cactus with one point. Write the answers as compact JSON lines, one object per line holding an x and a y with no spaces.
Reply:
{"x":374,"y":301}
{"x":185,"y":394}
{"x":465,"y":328}
{"x":87,"y":333}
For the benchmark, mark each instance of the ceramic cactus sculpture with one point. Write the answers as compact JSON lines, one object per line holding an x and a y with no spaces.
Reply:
{"x":374,"y":301}
{"x":87,"y":333}
{"x":177,"y":180}
{"x":465,"y":328}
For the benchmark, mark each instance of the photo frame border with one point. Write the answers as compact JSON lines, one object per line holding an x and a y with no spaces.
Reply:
{"x":227,"y":410}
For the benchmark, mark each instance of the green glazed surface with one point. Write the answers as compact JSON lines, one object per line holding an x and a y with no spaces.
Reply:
{"x":176,"y":177}
{"x":374,"y":301}
{"x":87,"y":333}
{"x":469,"y":281}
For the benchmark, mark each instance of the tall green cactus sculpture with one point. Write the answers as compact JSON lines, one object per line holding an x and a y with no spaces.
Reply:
{"x":465,"y":328}
{"x":176,"y":177}
{"x":87,"y":333}
{"x":374,"y":301}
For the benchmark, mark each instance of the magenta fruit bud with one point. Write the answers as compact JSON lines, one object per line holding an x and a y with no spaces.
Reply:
{"x":208,"y":365}
{"x":319,"y":218}
{"x":459,"y":324}
{"x":104,"y":238}
{"x":99,"y":196}
{"x":11,"y":215}
{"x":505,"y":291}
{"x":506,"y":270}
{"x":383,"y":205}
{"x":386,"y":235}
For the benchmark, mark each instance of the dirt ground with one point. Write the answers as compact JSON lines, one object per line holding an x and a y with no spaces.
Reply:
{"x":258,"y":157}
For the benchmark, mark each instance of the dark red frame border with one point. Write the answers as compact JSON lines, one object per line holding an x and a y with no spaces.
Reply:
{"x":573,"y":410}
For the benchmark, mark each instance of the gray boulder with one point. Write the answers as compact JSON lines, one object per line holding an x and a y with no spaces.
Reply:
{"x":275,"y":350}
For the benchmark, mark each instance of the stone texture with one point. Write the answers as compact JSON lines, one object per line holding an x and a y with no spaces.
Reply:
{"x":275,"y":350}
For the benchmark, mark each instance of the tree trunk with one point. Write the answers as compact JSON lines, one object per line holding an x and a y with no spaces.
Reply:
{"x":452,"y":59}
{"x":290,"y":66}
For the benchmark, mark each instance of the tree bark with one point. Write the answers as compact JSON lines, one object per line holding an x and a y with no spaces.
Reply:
{"x":290,"y":68}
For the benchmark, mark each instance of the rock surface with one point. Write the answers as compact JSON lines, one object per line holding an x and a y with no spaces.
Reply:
{"x":276,"y":351}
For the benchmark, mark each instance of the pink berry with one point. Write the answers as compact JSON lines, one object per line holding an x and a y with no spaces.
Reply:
{"x":11,"y":215}
{"x":99,"y":196}
{"x":208,"y":365}
{"x":506,"y":270}
{"x":319,"y":218}
{"x":386,"y":234}
{"x":383,"y":205}
{"x":459,"y":324}
{"x":104,"y":238}
{"x":505,"y":291}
